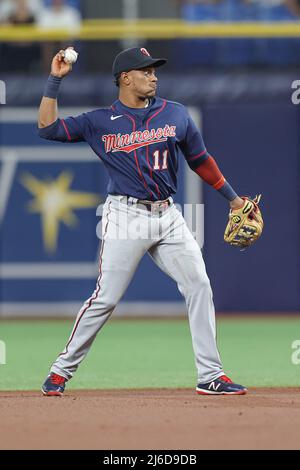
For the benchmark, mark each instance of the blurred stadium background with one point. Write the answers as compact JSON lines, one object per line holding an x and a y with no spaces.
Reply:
{"x":233,"y":62}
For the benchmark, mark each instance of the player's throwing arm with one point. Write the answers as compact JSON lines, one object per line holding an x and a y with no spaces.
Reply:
{"x":60,"y":67}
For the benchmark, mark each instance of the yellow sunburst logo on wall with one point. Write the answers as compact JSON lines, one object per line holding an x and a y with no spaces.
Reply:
{"x":56,"y":202}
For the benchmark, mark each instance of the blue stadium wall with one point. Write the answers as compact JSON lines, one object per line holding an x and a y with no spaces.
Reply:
{"x":257,"y":147}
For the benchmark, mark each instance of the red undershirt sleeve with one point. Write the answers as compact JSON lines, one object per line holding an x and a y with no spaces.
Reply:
{"x":210,"y":172}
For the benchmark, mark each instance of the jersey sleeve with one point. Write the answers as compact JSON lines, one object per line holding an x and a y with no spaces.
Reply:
{"x":201,"y":162}
{"x":192,"y":145}
{"x":72,"y":129}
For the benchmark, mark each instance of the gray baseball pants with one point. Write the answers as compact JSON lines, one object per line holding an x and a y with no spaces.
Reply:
{"x":128,"y":232}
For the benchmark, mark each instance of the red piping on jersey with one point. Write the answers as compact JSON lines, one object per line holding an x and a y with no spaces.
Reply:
{"x":66,"y":129}
{"x":197,"y":156}
{"x":136,"y":158}
{"x":147,"y":148}
{"x":97,"y":291}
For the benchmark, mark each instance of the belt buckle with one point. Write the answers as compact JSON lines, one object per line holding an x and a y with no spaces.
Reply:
{"x":160,"y":207}
{"x":155,"y":209}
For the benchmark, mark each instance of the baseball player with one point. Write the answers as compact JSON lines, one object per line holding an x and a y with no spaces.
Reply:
{"x":140,"y":139}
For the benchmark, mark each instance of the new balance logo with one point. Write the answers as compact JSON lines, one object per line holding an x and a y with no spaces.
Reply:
{"x":115,"y":117}
{"x":213,"y":386}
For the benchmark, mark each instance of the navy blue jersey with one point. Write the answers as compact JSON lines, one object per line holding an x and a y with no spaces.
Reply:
{"x":139,"y":147}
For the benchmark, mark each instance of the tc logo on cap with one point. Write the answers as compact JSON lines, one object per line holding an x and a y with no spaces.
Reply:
{"x":145,"y":52}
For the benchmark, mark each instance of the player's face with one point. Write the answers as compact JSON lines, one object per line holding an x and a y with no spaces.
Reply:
{"x":143,"y":82}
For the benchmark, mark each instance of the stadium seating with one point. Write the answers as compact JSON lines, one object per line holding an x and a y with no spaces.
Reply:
{"x":228,"y":52}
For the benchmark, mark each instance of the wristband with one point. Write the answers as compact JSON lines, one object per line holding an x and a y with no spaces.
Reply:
{"x":227,"y":191}
{"x":52,"y":87}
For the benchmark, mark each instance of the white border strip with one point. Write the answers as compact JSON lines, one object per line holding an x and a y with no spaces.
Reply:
{"x":193,"y":185}
{"x":21,"y":115}
{"x":7,"y":174}
{"x":71,"y":270}
{"x":43,"y":154}
{"x":70,"y":309}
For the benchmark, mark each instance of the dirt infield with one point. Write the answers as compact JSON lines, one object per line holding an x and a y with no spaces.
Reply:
{"x":151,"y":419}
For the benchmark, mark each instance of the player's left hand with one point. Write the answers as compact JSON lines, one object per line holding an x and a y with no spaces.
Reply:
{"x":245,"y":223}
{"x":237,"y":203}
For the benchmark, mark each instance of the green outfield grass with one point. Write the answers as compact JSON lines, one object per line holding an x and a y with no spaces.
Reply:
{"x":151,"y":353}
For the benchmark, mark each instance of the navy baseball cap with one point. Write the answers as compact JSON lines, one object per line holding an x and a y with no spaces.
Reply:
{"x":134,"y":59}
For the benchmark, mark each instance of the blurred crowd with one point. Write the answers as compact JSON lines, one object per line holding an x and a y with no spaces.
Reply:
{"x":67,"y":15}
{"x":240,"y":10}
{"x":45,"y":14}
{"x":243,"y":51}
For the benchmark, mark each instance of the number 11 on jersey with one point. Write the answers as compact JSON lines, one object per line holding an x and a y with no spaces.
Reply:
{"x":156,"y":156}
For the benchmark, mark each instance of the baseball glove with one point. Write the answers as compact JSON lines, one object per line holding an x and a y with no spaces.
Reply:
{"x":245,"y":225}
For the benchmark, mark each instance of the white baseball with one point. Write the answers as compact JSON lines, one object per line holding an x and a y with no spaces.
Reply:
{"x":70,"y":56}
